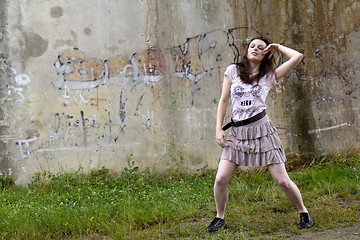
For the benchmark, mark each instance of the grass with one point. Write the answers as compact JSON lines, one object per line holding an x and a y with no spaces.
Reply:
{"x":134,"y":205}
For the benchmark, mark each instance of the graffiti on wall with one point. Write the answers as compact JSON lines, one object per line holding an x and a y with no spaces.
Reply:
{"x":80,"y":79}
{"x":15,"y":93}
{"x":193,"y":61}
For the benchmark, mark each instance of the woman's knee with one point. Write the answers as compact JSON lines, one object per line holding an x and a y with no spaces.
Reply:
{"x":225,"y":171}
{"x":283,"y":183}
{"x":222,"y":180}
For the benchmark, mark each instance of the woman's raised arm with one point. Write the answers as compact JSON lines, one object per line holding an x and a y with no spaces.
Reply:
{"x":285,"y":68}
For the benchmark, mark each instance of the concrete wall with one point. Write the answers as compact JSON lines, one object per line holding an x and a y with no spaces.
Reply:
{"x":89,"y":82}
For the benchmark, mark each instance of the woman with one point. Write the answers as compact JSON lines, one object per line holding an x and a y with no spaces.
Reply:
{"x":252,"y":140}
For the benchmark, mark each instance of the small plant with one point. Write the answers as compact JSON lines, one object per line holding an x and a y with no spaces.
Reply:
{"x":6,"y":181}
{"x":131,"y":165}
{"x":99,"y":176}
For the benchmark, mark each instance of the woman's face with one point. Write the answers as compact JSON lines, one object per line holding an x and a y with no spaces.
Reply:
{"x":256,"y":49}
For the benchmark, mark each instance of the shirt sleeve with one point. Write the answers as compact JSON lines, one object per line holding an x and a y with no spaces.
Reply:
{"x":229,"y":72}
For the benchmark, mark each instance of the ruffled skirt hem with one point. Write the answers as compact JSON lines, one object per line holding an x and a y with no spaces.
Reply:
{"x":257,"y":144}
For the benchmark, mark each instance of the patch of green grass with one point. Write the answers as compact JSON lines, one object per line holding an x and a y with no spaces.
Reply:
{"x":134,"y":205}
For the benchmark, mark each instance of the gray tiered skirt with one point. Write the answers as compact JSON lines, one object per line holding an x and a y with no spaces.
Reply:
{"x":253,"y":145}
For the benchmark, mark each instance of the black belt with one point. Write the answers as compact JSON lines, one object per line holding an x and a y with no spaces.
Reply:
{"x":245,"y":122}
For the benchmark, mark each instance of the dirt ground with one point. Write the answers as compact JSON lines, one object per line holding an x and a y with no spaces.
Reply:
{"x":343,"y":233}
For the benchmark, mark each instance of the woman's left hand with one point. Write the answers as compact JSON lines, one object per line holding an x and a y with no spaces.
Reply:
{"x":272,"y":48}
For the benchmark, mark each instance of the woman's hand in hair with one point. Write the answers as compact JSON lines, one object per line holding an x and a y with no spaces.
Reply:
{"x":286,"y":67}
{"x":271,"y":48}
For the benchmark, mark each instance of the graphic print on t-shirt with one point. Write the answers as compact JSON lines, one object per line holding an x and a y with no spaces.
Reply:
{"x":248,"y":95}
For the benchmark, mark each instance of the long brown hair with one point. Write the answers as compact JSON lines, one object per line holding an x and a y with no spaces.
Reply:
{"x":243,"y":67}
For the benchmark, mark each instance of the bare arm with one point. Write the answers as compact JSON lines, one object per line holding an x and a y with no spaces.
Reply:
{"x":285,"y":68}
{"x":221,"y":110}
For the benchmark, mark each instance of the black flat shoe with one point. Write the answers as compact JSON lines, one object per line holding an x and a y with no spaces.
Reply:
{"x":306,"y":220}
{"x":215,"y":224}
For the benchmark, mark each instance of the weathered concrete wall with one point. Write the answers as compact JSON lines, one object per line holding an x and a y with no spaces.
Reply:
{"x":87,"y":83}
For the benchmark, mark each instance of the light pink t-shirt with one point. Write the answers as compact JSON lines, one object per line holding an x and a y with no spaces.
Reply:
{"x":248,"y":100}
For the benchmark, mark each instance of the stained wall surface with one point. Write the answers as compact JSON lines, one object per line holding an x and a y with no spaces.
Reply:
{"x":92,"y":83}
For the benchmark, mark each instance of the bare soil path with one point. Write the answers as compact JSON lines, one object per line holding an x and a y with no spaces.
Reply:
{"x":343,"y":233}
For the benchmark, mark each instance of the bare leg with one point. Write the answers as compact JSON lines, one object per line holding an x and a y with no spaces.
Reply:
{"x":280,"y":176}
{"x":225,"y":171}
